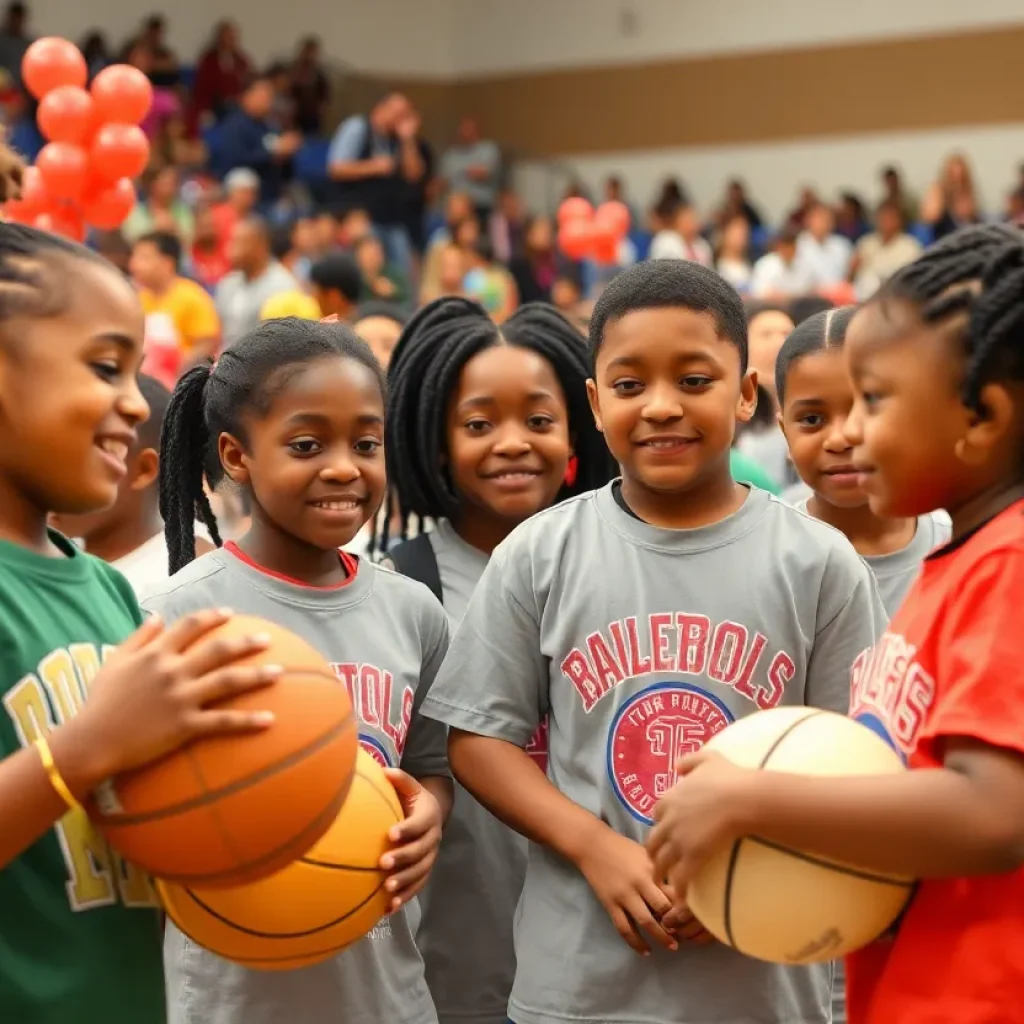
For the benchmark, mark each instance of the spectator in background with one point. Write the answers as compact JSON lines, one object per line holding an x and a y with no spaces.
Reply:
{"x":114,"y":247}
{"x":879,"y":255}
{"x":851,"y":218}
{"x":14,"y":41}
{"x":806,"y":201}
{"x":733,"y":260}
{"x":489,"y":283}
{"x":209,"y":256}
{"x":507,"y":229}
{"x":166,"y":103}
{"x":951,"y":202}
{"x":282,"y":107}
{"x":821,"y":254}
{"x":537,"y":268}
{"x":161,"y":210}
{"x":458,"y":206}
{"x":381,"y":280}
{"x":164,"y":294}
{"x":351,"y":227}
{"x":96,"y":52}
{"x":255,"y":277}
{"x":682,"y":240}
{"x":310,"y":89}
{"x":164,"y":71}
{"x":372,"y":162}
{"x":473,"y":165}
{"x":336,"y":284}
{"x":768,"y":326}
{"x":221,"y":74}
{"x":894,"y":191}
{"x":567,"y":294}
{"x":737,"y":204}
{"x":448,"y":274}
{"x":248,"y":140}
{"x":380,"y":325}
{"x":615,"y":192}
{"x":416,"y":167}
{"x":778,"y":275}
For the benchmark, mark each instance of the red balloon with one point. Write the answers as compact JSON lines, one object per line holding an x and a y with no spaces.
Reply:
{"x":107,"y":208}
{"x":64,"y":169}
{"x":63,"y":220}
{"x":605,"y":243}
{"x":616,"y":216}
{"x":50,"y":63}
{"x":122,"y":95}
{"x":574,"y":208}
{"x":576,"y":239}
{"x":34,"y":197}
{"x":66,"y":115}
{"x":119,"y":151}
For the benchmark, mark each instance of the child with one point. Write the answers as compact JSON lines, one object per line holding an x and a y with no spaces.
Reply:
{"x":380,"y":324}
{"x":130,"y":533}
{"x":294,"y":414}
{"x":643,"y":618}
{"x":79,"y":930}
{"x":935,"y":360}
{"x":817,"y":399}
{"x":482,"y":428}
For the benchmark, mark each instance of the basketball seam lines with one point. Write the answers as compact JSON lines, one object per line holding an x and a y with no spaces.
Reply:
{"x":232,"y":787}
{"x":820,"y":862}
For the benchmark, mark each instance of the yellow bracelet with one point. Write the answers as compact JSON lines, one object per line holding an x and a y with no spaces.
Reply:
{"x":55,"y":777}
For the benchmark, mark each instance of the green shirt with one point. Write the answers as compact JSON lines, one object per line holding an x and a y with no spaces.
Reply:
{"x":746,"y":471}
{"x":79,"y":937}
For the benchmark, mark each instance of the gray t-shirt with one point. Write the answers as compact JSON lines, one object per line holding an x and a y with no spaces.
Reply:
{"x":385,"y":637}
{"x":469,"y":904}
{"x":239,"y":300}
{"x":641,"y":643}
{"x":456,"y":162}
{"x":895,"y":573}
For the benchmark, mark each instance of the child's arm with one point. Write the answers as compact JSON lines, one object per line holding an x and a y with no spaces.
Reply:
{"x":147,"y":700}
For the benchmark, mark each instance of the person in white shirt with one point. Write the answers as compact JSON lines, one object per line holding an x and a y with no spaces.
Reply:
{"x":682,"y":241}
{"x":778,"y":275}
{"x":879,"y":255}
{"x":822,"y":254}
{"x":130,"y":534}
{"x":733,"y":249}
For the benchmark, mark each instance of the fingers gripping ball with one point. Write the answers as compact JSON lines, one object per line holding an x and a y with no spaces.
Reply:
{"x":225,"y":810}
{"x":782,"y":905}
{"x":311,"y":910}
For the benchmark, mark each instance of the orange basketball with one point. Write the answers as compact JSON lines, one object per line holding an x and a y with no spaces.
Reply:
{"x":311,"y":910}
{"x":231,"y":809}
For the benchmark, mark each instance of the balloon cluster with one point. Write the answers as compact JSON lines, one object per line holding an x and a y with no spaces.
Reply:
{"x":95,"y":147}
{"x":586,"y":233}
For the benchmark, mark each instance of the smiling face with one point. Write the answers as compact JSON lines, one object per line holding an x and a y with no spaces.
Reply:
{"x":69,"y":401}
{"x":314,"y":463}
{"x":508,"y":443}
{"x":667,"y":394}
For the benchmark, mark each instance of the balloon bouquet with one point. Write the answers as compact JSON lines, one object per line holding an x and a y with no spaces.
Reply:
{"x":84,"y":175}
{"x":586,"y":233}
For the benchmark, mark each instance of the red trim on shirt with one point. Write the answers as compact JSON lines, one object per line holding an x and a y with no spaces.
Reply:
{"x":349,"y":564}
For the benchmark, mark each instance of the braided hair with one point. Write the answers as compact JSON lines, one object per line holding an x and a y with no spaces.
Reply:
{"x":976,"y":273}
{"x":824,"y":330}
{"x":435,"y":346}
{"x":214,"y":399}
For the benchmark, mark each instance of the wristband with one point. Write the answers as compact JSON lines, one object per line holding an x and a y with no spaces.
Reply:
{"x":55,"y":777}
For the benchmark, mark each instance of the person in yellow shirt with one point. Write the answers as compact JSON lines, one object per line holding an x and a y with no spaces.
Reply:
{"x":178,"y":311}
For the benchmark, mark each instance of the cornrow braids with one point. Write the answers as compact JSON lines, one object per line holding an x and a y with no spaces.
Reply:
{"x":211,"y":400}
{"x":976,"y":273}
{"x":824,"y":330}
{"x":435,"y":346}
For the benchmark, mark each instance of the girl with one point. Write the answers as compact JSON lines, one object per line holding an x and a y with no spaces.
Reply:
{"x":79,"y":931}
{"x":817,"y":399}
{"x":483,"y":428}
{"x":294,"y":415}
{"x":937,"y":367}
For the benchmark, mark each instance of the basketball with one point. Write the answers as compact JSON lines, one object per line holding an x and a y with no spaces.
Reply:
{"x":310,"y":911}
{"x":782,"y":905}
{"x":232,"y":809}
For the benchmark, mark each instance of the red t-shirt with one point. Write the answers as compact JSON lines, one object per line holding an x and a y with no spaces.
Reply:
{"x":951,"y":664}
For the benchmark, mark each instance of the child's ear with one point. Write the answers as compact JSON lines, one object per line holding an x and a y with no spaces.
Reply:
{"x":595,"y":405}
{"x":147,"y":469}
{"x":233,"y":458}
{"x":988,"y":425}
{"x":747,"y":403}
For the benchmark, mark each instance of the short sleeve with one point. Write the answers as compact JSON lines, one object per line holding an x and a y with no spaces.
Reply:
{"x":426,"y":751}
{"x":852,"y":618}
{"x":348,"y":141}
{"x":494,"y":680}
{"x":979,"y":659}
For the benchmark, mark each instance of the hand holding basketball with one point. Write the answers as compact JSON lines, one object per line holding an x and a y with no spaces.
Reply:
{"x":681,"y":922}
{"x":417,"y":839}
{"x":696,"y":817}
{"x":151,"y":696}
{"x":619,"y":871}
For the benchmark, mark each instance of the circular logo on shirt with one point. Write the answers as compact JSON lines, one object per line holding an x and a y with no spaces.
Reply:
{"x":375,"y":749}
{"x":650,"y":732}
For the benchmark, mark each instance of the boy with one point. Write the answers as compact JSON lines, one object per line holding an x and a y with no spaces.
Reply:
{"x":644,"y":617}
{"x":130,"y":534}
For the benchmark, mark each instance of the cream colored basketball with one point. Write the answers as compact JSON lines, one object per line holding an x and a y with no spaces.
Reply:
{"x":778,"y":904}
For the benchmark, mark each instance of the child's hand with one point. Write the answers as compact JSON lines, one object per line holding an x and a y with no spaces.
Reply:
{"x":696,"y":817}
{"x":417,"y":839}
{"x":152,"y":694}
{"x":679,"y":921}
{"x":620,"y":873}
